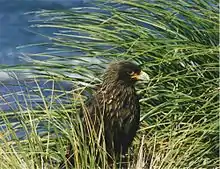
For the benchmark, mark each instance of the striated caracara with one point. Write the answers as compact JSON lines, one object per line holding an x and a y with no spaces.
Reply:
{"x":115,"y":107}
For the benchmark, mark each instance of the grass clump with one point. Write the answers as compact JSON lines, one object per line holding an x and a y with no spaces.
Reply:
{"x":176,"y":42}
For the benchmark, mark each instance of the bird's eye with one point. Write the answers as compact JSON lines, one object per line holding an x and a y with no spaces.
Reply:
{"x":130,"y":72}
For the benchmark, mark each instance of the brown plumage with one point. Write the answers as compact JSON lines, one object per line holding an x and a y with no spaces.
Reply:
{"x":116,"y":105}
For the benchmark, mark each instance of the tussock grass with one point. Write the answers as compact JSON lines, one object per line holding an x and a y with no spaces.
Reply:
{"x":176,"y":42}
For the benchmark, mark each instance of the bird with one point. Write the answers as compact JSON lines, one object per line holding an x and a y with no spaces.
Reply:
{"x":114,"y":107}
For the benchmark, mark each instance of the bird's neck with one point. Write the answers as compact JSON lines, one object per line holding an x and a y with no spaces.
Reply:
{"x":117,"y":85}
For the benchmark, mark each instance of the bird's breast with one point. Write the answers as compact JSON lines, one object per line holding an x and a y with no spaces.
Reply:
{"x":120,"y":102}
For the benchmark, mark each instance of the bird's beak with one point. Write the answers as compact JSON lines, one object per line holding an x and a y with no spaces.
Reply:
{"x":141,"y":76}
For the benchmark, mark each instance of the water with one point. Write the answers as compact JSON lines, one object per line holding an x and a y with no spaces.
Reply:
{"x":14,"y":26}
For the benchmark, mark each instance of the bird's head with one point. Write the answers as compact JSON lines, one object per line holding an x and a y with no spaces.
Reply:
{"x":125,"y":72}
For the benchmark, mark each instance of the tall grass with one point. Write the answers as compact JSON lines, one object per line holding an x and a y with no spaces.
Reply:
{"x":176,"y":42}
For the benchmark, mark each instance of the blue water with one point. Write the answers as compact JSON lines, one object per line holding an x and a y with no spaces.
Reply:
{"x":14,"y":24}
{"x":14,"y":32}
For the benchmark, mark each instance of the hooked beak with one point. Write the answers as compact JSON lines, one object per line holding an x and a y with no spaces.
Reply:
{"x":141,"y":76}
